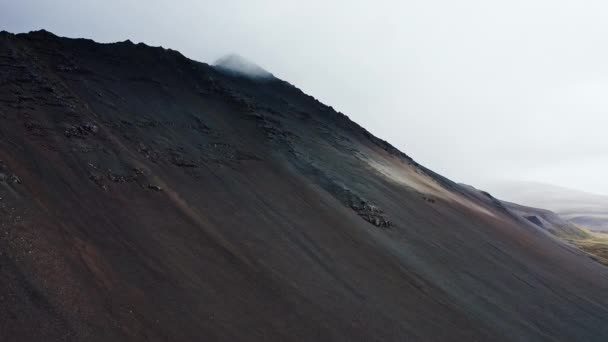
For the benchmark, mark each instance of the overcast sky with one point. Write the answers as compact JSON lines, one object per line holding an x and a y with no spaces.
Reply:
{"x":475,"y":90}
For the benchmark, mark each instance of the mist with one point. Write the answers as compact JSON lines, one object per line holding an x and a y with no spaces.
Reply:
{"x":238,"y":65}
{"x":478,"y":91}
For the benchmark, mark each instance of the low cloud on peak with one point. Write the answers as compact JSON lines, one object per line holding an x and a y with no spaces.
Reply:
{"x":239,"y":65}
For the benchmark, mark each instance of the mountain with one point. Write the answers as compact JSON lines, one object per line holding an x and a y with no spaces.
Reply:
{"x":149,"y":197}
{"x":586,"y":209}
{"x":545,"y":219}
{"x":549,"y":221}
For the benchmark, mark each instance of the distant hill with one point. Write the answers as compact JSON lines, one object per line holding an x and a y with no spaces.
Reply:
{"x":549,"y":221}
{"x":587,"y":209}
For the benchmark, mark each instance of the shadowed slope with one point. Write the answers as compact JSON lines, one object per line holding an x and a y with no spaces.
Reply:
{"x":150,"y":197}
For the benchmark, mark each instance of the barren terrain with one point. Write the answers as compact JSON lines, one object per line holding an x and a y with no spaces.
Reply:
{"x":145,"y":196}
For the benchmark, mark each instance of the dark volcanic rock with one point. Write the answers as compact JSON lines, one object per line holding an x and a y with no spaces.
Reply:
{"x":535,"y":220}
{"x":371,"y":214}
{"x":7,"y":176}
{"x":81,"y":131}
{"x":164,"y":199}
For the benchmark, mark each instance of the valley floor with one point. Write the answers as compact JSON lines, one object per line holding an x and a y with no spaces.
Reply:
{"x":596,"y":245}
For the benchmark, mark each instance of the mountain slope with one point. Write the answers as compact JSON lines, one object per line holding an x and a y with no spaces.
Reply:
{"x":150,"y":197}
{"x":596,"y":244}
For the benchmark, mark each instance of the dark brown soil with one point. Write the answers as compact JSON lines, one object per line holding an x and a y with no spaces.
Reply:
{"x":149,"y":197}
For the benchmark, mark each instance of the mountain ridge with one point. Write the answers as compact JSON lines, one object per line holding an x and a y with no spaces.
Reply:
{"x":159,"y":199}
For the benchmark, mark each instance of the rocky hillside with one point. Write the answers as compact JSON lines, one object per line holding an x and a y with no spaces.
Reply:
{"x":148,"y":197}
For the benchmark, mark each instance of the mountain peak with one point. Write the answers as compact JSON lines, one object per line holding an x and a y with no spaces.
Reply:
{"x":186,"y":195}
{"x":238,"y":65}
